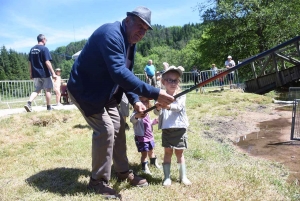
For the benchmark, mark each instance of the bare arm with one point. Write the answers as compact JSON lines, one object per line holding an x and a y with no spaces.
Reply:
{"x":139,"y":107}
{"x":146,"y":75}
{"x":49,"y":66}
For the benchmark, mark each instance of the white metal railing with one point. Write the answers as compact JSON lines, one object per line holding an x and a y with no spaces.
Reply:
{"x":220,"y":82}
{"x":18,"y":91}
{"x":189,"y":77}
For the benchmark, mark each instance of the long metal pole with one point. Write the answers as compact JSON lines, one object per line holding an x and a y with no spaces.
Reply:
{"x":247,"y":61}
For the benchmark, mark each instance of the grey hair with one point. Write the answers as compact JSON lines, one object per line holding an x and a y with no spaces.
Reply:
{"x":40,"y":37}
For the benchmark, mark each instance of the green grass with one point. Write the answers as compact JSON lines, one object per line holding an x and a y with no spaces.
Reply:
{"x":46,"y":156}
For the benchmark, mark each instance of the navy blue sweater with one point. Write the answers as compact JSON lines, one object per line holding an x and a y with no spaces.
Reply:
{"x":101,"y":67}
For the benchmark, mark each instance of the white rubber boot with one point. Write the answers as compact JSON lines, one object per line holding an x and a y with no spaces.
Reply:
{"x":167,"y":180}
{"x":182,"y":174}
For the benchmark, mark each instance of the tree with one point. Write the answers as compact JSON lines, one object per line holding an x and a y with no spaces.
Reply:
{"x":5,"y":62}
{"x":66,"y":67}
{"x":191,"y":56}
{"x":246,"y":28}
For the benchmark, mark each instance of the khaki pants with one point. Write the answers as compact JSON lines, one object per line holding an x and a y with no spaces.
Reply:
{"x":108,"y":141}
{"x":151,"y":80}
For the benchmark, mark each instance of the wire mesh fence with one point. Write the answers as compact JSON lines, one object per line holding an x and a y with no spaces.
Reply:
{"x":14,"y":93}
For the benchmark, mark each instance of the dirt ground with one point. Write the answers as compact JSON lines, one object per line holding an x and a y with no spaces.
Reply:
{"x":263,"y":132}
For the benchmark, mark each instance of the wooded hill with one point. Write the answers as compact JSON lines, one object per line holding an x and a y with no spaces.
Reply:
{"x":230,"y":27}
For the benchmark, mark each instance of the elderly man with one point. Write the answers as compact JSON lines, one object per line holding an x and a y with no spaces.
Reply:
{"x":99,"y":77}
{"x":150,"y":73}
{"x":229,"y":63}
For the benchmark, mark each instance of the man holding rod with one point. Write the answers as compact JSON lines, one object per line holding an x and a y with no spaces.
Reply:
{"x":99,"y":77}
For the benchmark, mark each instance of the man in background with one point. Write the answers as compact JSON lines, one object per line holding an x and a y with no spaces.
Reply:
{"x":41,"y":70}
{"x":229,"y":63}
{"x":195,"y":74}
{"x":150,"y":73}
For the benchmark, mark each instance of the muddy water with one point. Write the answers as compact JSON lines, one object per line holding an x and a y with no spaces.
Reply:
{"x":273,"y":142}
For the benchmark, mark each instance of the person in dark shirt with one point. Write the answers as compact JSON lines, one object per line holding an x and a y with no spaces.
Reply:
{"x":98,"y":79}
{"x":195,"y":74}
{"x":41,"y":70}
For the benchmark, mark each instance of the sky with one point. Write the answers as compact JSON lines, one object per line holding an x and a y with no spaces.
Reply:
{"x":66,"y":21}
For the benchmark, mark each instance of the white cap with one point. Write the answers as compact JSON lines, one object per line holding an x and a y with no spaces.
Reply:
{"x":166,"y":65}
{"x":229,"y":57}
{"x":181,"y":68}
{"x":174,"y":68}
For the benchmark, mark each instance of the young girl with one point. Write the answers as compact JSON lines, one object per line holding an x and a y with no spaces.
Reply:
{"x":56,"y":86}
{"x":173,"y":122}
{"x":142,"y":125}
{"x":158,"y":79}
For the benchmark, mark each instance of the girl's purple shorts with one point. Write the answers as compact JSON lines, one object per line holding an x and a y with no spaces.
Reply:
{"x":144,"y":146}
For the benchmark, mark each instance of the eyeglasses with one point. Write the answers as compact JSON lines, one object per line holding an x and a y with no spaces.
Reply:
{"x":171,"y":81}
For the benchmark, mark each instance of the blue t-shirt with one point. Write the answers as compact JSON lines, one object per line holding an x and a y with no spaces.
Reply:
{"x":150,"y":70}
{"x":38,"y":56}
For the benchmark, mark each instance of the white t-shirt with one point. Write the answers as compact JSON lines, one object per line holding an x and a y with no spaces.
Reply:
{"x":175,"y":117}
{"x":230,"y":63}
{"x":214,"y":71}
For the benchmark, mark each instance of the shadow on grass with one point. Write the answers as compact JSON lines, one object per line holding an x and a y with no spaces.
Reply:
{"x":215,"y":91}
{"x":82,"y":126}
{"x":294,"y":143}
{"x":63,"y":181}
{"x":154,"y":179}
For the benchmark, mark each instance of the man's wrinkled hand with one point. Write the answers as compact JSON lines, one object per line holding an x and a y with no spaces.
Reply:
{"x":139,"y":107}
{"x":164,"y":99}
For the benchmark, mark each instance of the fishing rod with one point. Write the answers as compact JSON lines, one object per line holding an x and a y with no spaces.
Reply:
{"x":197,"y":86}
{"x":247,"y":61}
